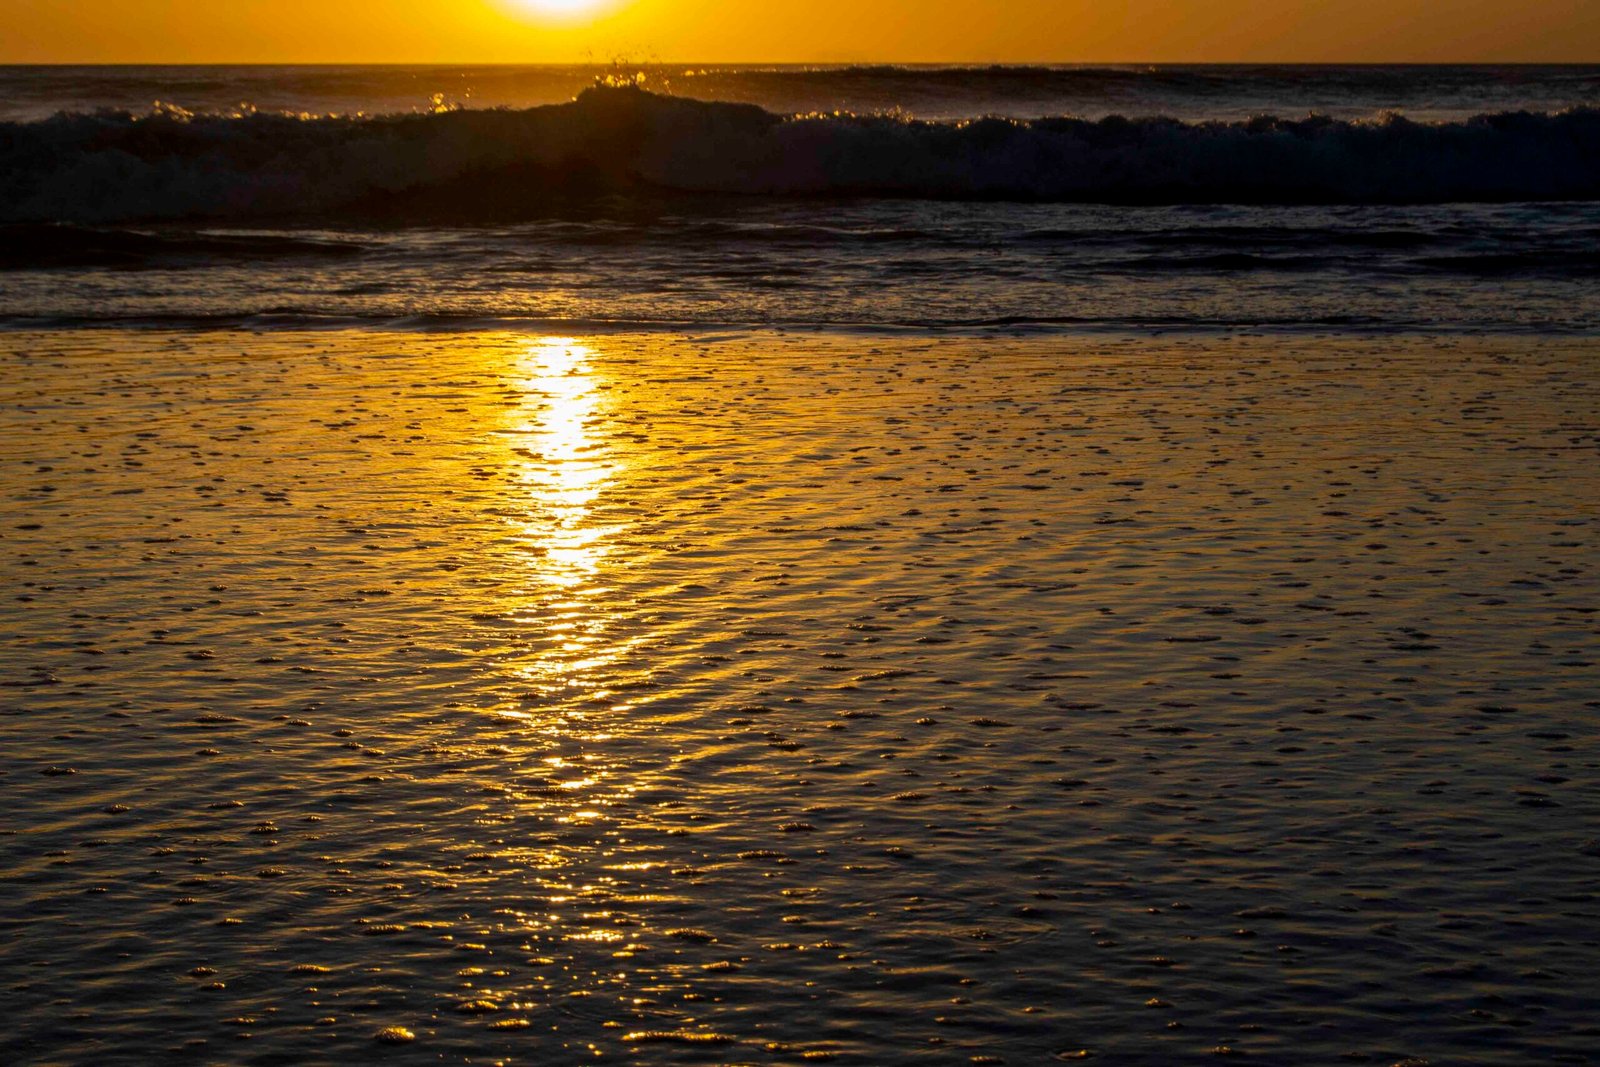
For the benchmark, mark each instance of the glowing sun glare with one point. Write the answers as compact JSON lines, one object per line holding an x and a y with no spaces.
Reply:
{"x":559,"y":9}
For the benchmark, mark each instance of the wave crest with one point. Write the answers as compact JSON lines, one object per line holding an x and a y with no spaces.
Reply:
{"x":504,"y":164}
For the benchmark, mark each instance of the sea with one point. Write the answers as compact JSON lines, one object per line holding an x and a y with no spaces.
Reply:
{"x":876,"y":197}
{"x":763,"y":565}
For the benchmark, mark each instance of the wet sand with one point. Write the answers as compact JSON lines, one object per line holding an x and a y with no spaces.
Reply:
{"x":764,"y":699}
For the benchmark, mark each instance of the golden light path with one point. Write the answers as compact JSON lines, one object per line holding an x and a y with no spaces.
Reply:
{"x":562,"y":467}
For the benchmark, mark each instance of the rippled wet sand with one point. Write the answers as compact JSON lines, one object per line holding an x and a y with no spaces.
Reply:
{"x":756,"y":699}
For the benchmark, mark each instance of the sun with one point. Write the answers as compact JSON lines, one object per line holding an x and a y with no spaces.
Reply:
{"x":562,"y":10}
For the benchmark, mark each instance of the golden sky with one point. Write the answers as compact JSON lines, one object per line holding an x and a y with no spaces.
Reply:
{"x":269,"y":31}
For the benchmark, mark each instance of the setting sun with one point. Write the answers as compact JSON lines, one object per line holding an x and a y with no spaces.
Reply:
{"x":564,"y":10}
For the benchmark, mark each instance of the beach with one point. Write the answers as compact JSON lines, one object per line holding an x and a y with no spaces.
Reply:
{"x":727,"y":695}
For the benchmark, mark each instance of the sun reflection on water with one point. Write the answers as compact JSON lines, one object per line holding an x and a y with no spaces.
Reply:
{"x":561,"y":465}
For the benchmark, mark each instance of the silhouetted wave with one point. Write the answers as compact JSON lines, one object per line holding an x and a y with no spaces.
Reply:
{"x":502,"y":164}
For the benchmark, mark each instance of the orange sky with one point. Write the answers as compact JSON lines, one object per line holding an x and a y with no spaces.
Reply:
{"x":800,"y":30}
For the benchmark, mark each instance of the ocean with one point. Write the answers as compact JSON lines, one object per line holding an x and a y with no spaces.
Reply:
{"x":1438,"y":198}
{"x":773,"y":565}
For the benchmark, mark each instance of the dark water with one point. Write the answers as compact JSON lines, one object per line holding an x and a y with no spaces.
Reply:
{"x":1411,"y":198}
{"x":1523,"y":268}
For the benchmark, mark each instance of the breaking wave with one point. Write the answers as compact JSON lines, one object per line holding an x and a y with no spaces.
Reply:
{"x":500,"y":165}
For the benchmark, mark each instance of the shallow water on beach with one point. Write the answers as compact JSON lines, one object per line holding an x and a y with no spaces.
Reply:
{"x":490,"y":698}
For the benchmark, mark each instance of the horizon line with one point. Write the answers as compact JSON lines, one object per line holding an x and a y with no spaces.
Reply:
{"x":961,"y":63}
